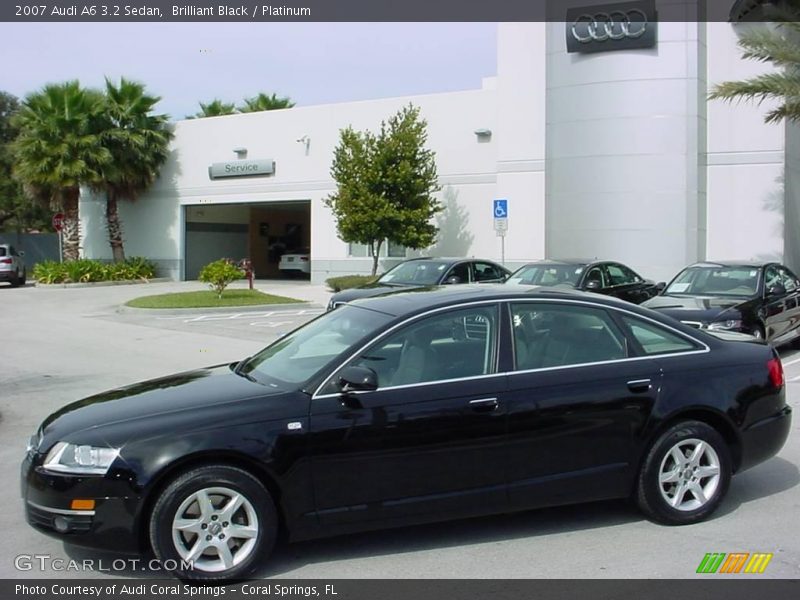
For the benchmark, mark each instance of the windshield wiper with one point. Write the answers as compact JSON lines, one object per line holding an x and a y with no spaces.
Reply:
{"x":238,"y":370}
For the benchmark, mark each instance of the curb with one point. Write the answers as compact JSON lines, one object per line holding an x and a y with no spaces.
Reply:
{"x":220,"y":309}
{"x":50,"y":286}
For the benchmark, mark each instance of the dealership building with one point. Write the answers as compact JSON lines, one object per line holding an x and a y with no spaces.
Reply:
{"x":598,"y":135}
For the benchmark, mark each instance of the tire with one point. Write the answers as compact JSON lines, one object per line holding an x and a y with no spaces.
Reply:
{"x":673,"y":487}
{"x":758,"y":332}
{"x":14,"y":281}
{"x":178,"y":524}
{"x":24,"y":278}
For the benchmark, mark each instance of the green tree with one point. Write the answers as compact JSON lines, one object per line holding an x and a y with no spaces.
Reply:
{"x":138,"y":141}
{"x":215,"y":108}
{"x":262,"y":102}
{"x":385,"y":185}
{"x":59,"y":148}
{"x":778,"y":44}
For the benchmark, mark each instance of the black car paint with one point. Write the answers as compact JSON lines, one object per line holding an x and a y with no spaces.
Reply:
{"x":402,"y":456}
{"x":775,"y":316}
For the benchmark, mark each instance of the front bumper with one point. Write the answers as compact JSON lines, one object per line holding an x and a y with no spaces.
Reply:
{"x":765,"y":438}
{"x":112,"y":525}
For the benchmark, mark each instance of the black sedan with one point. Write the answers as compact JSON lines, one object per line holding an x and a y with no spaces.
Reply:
{"x":603,"y":277}
{"x":415,"y":406}
{"x":423,"y":272}
{"x":761,"y":299}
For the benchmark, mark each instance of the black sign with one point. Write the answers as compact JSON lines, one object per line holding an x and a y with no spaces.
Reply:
{"x":607,"y":27}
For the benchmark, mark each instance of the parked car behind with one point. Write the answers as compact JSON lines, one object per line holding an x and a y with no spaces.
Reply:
{"x":603,"y":277}
{"x":295,"y":261}
{"x":416,"y":406}
{"x":12,"y":265}
{"x":422,"y":272}
{"x":760,"y":299}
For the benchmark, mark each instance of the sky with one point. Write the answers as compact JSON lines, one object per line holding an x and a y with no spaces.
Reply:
{"x":313,"y":63}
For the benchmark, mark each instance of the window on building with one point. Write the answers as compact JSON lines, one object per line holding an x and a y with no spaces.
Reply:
{"x":388,"y":249}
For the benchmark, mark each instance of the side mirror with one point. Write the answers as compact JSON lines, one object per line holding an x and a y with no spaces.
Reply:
{"x":358,"y":379}
{"x":453,"y":280}
{"x":776,"y":290}
{"x":592,"y":285}
{"x":661,"y":286}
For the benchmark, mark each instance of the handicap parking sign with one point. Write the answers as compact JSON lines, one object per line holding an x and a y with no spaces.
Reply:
{"x":501,"y":208}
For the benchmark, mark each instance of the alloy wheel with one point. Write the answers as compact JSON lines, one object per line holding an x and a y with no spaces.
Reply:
{"x":689,"y":475}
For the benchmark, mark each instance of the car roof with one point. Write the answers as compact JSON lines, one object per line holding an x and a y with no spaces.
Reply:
{"x":408,"y":302}
{"x":448,"y":259}
{"x":732,"y":263}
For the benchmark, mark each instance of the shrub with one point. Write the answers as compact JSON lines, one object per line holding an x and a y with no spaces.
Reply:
{"x":345,"y":282}
{"x":219,"y":274}
{"x":88,"y":270}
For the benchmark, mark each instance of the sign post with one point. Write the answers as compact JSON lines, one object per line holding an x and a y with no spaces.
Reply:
{"x":500,"y":214}
{"x":58,"y":225}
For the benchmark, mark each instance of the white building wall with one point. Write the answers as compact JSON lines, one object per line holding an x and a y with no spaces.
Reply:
{"x":745,"y":161}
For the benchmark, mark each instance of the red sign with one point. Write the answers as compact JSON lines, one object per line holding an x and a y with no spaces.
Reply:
{"x":58,"y":221}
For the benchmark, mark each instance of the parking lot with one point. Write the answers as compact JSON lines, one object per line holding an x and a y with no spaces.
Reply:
{"x":63,"y":344}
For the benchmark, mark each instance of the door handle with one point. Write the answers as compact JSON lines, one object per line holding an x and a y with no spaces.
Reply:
{"x":639,"y":385}
{"x":484,"y":404}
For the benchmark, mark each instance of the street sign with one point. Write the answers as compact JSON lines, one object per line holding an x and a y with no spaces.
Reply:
{"x":500,"y":208}
{"x":501,"y":226}
{"x":58,"y":221}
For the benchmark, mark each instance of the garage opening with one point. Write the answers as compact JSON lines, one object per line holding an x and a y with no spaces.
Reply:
{"x":274,"y":236}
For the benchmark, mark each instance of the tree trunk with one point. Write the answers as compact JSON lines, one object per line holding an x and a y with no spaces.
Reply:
{"x":114,"y":227}
{"x":71,"y":231}
{"x":376,"y":252}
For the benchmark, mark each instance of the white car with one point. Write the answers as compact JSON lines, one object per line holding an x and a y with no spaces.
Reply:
{"x":297,"y":261}
{"x":12,"y":267}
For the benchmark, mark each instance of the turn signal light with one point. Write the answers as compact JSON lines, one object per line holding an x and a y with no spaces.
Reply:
{"x":82,"y":504}
{"x":775,"y":368}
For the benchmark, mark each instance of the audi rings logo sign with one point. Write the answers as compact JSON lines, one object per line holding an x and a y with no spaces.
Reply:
{"x":607,"y":27}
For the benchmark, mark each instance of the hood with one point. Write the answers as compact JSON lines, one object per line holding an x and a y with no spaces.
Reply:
{"x":704,"y":309}
{"x":368,"y":291}
{"x":190,"y":391}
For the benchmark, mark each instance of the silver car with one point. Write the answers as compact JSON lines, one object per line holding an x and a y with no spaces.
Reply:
{"x":12,"y":266}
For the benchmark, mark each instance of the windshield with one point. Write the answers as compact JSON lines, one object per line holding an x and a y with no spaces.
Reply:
{"x":547,"y":275}
{"x":715,"y":281}
{"x":301,"y":354}
{"x":415,"y":272}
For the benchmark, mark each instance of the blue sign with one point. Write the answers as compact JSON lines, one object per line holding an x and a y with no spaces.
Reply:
{"x":501,"y":208}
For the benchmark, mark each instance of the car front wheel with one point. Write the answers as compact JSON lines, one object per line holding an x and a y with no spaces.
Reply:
{"x":685,"y":475}
{"x":215,"y":522}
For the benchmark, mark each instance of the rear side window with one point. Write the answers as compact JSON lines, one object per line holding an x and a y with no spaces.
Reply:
{"x":2,"y":251}
{"x":551,"y":335}
{"x":655,"y":339}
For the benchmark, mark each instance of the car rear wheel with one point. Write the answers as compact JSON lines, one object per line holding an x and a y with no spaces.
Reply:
{"x":685,"y":475}
{"x":219,"y":520}
{"x":24,"y":278}
{"x":15,"y":280}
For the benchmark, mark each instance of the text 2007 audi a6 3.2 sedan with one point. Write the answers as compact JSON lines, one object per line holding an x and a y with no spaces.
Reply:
{"x":411,"y":407}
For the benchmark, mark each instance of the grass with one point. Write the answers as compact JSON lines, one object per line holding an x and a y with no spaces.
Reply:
{"x":209,"y":299}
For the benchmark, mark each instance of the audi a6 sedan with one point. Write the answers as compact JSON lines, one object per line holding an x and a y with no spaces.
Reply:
{"x":424,"y":272}
{"x":760,"y":299}
{"x":603,"y":277}
{"x":411,"y":407}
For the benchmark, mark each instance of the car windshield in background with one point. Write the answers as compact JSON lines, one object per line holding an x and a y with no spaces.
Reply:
{"x":547,"y":275}
{"x":715,"y":281}
{"x":415,"y":272}
{"x":298,"y":356}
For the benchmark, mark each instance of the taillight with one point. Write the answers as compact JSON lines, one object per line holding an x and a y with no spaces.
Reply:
{"x":5,"y":261}
{"x":775,"y":369}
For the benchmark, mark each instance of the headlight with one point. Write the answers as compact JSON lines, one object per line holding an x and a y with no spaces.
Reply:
{"x":80,"y":460}
{"x":729,"y":324}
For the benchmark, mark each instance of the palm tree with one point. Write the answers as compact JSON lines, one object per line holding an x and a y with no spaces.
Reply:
{"x":138,"y":141}
{"x":776,"y":44}
{"x":263,"y":102}
{"x":215,"y":108}
{"x":59,"y":148}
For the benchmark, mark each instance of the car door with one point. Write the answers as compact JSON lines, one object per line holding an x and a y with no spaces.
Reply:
{"x":430,"y":439}
{"x":624,"y":283}
{"x":575,"y":404}
{"x":791,"y":303}
{"x":484,"y":272}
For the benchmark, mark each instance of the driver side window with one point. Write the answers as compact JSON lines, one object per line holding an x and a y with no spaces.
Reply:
{"x":450,"y":345}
